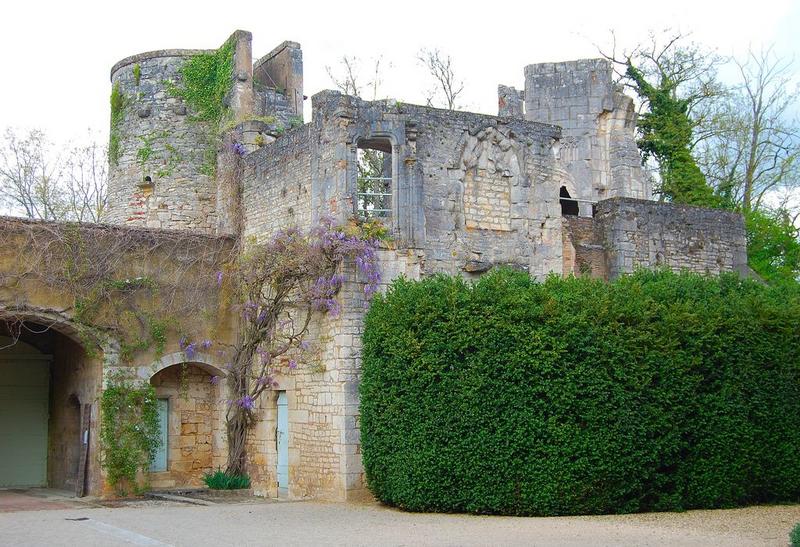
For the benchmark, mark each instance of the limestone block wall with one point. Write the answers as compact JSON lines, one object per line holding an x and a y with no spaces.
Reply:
{"x":278,"y":84}
{"x":276,"y":184}
{"x":598,"y":145}
{"x":281,"y":71}
{"x":277,"y":194}
{"x":584,"y":253}
{"x":193,"y":425}
{"x":638,"y":233}
{"x":75,"y":382}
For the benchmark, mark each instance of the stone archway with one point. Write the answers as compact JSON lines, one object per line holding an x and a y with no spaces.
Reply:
{"x":192,"y":408}
{"x":49,"y":389}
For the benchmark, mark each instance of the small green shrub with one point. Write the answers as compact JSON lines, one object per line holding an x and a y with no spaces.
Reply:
{"x":655,"y":392}
{"x":794,"y":536}
{"x":220,"y":480}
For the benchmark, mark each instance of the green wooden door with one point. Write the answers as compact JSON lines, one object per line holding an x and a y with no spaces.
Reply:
{"x":159,"y":462}
{"x":24,"y":394}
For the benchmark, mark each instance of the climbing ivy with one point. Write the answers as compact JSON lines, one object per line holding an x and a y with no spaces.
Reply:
{"x":118,"y":103}
{"x":666,"y":135}
{"x":137,"y":74}
{"x":206,"y":80}
{"x":145,"y":151}
{"x":129,"y":431}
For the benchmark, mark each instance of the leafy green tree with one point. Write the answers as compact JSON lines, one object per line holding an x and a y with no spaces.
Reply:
{"x":773,"y":249}
{"x":666,"y":131}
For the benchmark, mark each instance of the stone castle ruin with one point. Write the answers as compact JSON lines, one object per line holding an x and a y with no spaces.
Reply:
{"x":552,"y":184}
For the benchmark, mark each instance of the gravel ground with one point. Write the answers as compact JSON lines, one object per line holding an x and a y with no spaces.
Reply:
{"x":315,"y":523}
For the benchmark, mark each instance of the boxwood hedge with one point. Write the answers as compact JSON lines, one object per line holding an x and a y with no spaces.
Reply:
{"x":658,"y":391}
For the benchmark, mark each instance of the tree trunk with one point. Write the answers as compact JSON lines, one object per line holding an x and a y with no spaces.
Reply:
{"x":237,"y":426}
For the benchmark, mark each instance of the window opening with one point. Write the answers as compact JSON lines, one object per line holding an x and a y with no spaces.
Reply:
{"x":374,"y":181}
{"x":569,"y":206}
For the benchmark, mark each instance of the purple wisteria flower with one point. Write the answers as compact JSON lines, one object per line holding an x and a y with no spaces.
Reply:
{"x":219,"y":278}
{"x":206,"y":344}
{"x":292,"y":364}
{"x":215,"y":380}
{"x":264,"y":381}
{"x":190,"y":350}
{"x":246,"y":402}
{"x":238,"y":149}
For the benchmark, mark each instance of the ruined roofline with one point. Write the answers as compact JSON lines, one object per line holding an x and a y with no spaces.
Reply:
{"x":186,"y":53}
{"x":552,"y":129}
{"x":671,"y":205}
{"x":8,"y":223}
{"x":592,"y":63}
{"x":275,"y":51}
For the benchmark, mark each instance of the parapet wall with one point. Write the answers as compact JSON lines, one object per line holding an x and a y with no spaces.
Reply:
{"x":647,"y":234}
{"x":276,"y":184}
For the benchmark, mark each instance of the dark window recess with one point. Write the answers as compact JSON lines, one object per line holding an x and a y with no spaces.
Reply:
{"x":568,"y":205}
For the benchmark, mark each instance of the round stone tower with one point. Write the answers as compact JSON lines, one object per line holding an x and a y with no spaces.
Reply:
{"x":161,"y":159}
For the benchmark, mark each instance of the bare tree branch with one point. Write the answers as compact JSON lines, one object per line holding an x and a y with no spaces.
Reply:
{"x":447,"y":85}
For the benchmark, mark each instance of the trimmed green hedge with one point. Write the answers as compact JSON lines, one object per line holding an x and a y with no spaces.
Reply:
{"x":656,"y":392}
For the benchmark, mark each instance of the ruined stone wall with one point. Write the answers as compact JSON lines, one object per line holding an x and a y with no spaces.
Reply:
{"x":281,"y":71}
{"x":277,"y":188}
{"x":648,"y":234}
{"x":278,"y":84}
{"x":157,"y":139}
{"x":276,"y":184}
{"x":584,"y":253}
{"x":470,"y":191}
{"x":598,"y":145}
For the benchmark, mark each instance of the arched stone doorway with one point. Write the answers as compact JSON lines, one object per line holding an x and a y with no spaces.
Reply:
{"x":49,"y":389}
{"x":193,"y":417}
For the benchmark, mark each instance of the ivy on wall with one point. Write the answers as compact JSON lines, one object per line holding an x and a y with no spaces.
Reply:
{"x":129,"y":432}
{"x":206,"y":81}
{"x":118,"y":103}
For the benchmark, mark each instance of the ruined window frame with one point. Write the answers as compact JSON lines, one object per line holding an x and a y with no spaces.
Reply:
{"x":389,"y":219}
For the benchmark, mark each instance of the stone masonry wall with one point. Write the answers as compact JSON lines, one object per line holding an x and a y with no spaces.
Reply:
{"x":440,"y":159}
{"x":470,"y":191}
{"x":640,"y":233}
{"x":584,"y":253}
{"x":276,"y":184}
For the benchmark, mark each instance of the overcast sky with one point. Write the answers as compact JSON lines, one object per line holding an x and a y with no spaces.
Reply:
{"x":56,"y":56}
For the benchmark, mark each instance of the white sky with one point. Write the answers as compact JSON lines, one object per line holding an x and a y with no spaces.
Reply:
{"x":56,"y":56}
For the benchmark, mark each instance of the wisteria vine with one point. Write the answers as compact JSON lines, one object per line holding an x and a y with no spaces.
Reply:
{"x":279,"y":285}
